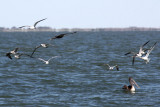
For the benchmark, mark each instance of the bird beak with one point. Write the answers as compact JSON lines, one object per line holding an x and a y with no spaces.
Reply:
{"x":133,"y":82}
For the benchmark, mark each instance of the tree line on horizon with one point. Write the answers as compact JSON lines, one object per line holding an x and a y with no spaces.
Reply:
{"x":44,"y":28}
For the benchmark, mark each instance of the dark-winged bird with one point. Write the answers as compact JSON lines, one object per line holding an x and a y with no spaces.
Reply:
{"x":61,"y":35}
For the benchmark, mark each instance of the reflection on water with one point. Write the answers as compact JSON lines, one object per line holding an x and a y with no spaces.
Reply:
{"x":78,"y":77}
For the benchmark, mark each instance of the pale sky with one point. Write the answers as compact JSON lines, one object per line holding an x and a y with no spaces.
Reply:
{"x":80,"y":13}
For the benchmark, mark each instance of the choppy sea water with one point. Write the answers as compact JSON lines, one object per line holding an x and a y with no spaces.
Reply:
{"x":78,"y":77}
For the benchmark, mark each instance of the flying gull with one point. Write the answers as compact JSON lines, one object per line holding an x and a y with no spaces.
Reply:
{"x":41,"y":45}
{"x":145,"y":58}
{"x":139,"y":54}
{"x":34,"y":26}
{"x":12,"y":52}
{"x":47,"y":61}
{"x":112,"y":67}
{"x":18,"y":55}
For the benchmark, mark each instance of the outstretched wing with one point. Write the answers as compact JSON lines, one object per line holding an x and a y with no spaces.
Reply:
{"x":35,"y":50}
{"x":51,"y":45}
{"x":61,"y":35}
{"x":38,"y":22}
{"x":15,"y":50}
{"x":42,"y":59}
{"x":146,"y":50}
{"x":149,"y":51}
{"x":108,"y":65}
{"x":141,"y":48}
{"x":53,"y":57}
{"x":23,"y":26}
{"x":9,"y":55}
{"x":58,"y":36}
{"x":71,"y":33}
{"x":22,"y":54}
{"x":145,"y":44}
{"x":129,"y":53}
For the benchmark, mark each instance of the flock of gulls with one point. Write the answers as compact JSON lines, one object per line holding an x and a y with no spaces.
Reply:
{"x":143,"y":54}
{"x":16,"y":54}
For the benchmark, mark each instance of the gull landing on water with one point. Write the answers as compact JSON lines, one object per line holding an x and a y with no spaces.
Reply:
{"x":47,"y":61}
{"x":34,"y":26}
{"x":145,"y":58}
{"x":131,"y":86}
{"x":112,"y":67}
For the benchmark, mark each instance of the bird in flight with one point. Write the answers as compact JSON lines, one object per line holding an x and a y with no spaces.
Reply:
{"x":145,"y":58}
{"x":8,"y":54}
{"x":139,"y":54}
{"x":44,"y":45}
{"x":61,"y":35}
{"x":18,"y":55}
{"x":34,"y":26}
{"x":112,"y":67}
{"x":47,"y":61}
{"x":15,"y":53}
{"x":131,"y":86}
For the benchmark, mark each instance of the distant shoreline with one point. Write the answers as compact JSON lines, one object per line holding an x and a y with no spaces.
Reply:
{"x":48,"y":29}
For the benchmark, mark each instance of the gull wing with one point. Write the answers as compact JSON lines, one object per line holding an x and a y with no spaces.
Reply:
{"x":108,"y":65}
{"x":150,"y":50}
{"x":71,"y":33}
{"x":24,"y":26}
{"x":145,"y":44}
{"x":22,"y":54}
{"x":146,"y":50}
{"x":35,"y":50}
{"x":42,"y":59}
{"x":51,"y":45}
{"x":141,"y":48}
{"x":38,"y":22}
{"x":53,"y":57}
{"x":129,"y":53}
{"x":9,"y":55}
{"x":16,"y":49}
{"x":58,"y":36}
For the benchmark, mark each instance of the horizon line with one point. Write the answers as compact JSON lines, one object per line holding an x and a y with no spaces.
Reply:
{"x":49,"y":29}
{"x":14,"y":27}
